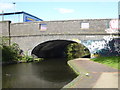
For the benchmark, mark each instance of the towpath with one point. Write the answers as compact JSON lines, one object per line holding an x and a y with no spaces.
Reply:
{"x":93,"y":75}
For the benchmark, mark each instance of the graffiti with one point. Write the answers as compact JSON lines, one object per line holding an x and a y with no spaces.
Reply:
{"x":105,"y":47}
{"x":113,"y":26}
{"x":109,"y":45}
{"x":76,"y":40}
{"x":95,"y":46}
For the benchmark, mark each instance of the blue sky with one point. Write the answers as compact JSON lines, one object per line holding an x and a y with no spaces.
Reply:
{"x":65,"y":10}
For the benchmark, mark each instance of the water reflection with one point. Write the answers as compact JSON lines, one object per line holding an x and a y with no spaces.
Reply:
{"x":56,"y":71}
{"x":46,"y":74}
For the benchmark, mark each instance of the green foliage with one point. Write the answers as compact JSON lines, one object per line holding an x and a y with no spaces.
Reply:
{"x":12,"y":53}
{"x":38,"y":59}
{"x":9,"y":52}
{"x":75,"y":50}
{"x":4,"y":41}
{"x":26,"y":58}
{"x":112,"y":61}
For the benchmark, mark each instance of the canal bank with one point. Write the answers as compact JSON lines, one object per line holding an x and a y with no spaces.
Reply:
{"x":92,"y":75}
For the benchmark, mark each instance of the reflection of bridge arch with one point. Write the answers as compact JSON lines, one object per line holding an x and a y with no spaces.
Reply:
{"x":53,"y":48}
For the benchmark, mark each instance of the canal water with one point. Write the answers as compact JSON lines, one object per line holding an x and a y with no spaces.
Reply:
{"x":49,"y":73}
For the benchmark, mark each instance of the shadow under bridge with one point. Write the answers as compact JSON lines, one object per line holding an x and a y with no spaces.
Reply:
{"x":51,"y":49}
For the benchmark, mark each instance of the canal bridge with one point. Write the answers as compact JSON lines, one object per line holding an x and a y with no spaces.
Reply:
{"x":46,"y":35}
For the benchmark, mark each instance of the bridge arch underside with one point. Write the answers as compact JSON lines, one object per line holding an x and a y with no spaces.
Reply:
{"x":52,"y":49}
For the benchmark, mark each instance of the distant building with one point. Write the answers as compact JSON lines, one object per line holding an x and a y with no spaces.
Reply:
{"x":18,"y":17}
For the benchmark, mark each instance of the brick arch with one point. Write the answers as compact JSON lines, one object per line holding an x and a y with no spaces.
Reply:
{"x":47,"y":45}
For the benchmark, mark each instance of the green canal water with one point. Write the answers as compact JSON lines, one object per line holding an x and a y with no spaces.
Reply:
{"x":51,"y":73}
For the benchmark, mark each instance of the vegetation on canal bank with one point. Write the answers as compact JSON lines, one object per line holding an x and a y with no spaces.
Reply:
{"x":12,"y":53}
{"x":75,"y":50}
{"x":112,"y":61}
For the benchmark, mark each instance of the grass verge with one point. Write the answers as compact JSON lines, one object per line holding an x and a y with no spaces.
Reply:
{"x":112,"y":61}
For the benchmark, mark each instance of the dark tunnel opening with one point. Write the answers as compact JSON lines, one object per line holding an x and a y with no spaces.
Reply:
{"x":52,"y":49}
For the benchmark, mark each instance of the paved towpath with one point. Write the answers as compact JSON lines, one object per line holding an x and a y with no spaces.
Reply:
{"x":92,"y":75}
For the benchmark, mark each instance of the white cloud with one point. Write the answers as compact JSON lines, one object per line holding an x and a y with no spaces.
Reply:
{"x":4,"y":6}
{"x":64,"y":10}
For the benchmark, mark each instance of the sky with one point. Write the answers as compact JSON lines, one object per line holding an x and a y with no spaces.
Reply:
{"x":61,"y":10}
